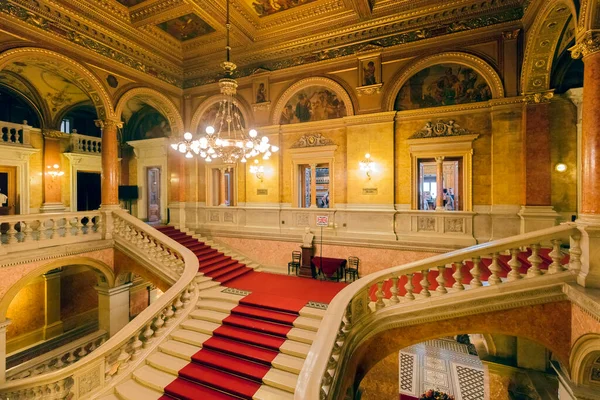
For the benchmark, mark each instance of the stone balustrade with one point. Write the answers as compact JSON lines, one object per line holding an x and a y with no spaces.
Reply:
{"x":426,"y":283}
{"x":27,"y":232}
{"x":58,"y":358}
{"x":119,"y":355}
{"x":17,"y":134}
{"x":85,"y":144}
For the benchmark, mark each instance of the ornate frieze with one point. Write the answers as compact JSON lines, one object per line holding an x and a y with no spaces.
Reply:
{"x":588,"y":44}
{"x":539,"y":97}
{"x":312,"y":140}
{"x":440,"y":128}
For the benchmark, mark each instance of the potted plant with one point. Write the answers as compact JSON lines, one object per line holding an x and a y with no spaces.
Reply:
{"x":435,"y":395}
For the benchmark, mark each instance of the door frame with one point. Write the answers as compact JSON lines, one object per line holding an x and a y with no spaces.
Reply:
{"x":83,"y":163}
{"x":17,"y":156}
{"x":160,"y":174}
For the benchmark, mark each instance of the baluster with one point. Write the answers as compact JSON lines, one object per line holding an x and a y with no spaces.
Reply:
{"x":61,"y":389}
{"x":49,"y":224}
{"x":59,"y":362}
{"x":514,"y":265}
{"x":379,"y":294}
{"x":12,"y":233}
{"x":148,"y":335}
{"x":136,"y":346}
{"x":158,"y":323}
{"x":83,"y":352}
{"x":185,"y":297}
{"x":495,"y":269}
{"x":92,"y":346}
{"x":409,"y":287}
{"x":425,"y":283}
{"x":475,"y":272}
{"x":441,"y":280}
{"x":108,"y":372}
{"x":123,"y":359}
{"x":556,"y":256}
{"x":394,"y":291}
{"x":27,"y":231}
{"x":71,"y":357}
{"x":17,"y":136}
{"x":457,"y":275}
{"x":56,"y":228}
{"x":178,"y":305}
{"x":575,"y":252}
{"x":348,"y":321}
{"x":168,"y":313}
{"x":535,"y":261}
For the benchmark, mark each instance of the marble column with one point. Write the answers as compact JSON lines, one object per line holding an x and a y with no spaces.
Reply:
{"x":536,"y":201}
{"x":113,"y":308}
{"x":313,"y":185}
{"x":222,"y":187}
{"x":110,"y":162}
{"x":52,"y":184}
{"x":588,"y":46}
{"x":3,"y":325}
{"x":53,"y":325}
{"x":576,"y":96}
{"x":439,"y":180}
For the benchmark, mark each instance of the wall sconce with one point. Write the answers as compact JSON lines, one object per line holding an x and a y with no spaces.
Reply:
{"x":367,"y":165}
{"x":560,"y":167}
{"x":257,"y":170}
{"x":54,"y":171}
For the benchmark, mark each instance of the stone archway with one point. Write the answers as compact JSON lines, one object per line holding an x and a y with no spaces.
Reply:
{"x":487,"y":72}
{"x":67,"y":68}
{"x":585,"y":360}
{"x":542,"y":40}
{"x":158,"y":101}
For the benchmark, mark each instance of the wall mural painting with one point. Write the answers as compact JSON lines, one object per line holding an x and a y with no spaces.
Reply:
{"x":146,"y":123}
{"x":442,"y":85}
{"x":186,"y":27}
{"x":269,"y":7}
{"x":209,"y":118}
{"x":315,"y":103}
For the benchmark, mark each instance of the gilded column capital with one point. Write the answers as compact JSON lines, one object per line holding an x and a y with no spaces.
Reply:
{"x":511,"y":35}
{"x":52,"y":134}
{"x":538,"y":97}
{"x":439,"y":159}
{"x":108,"y":123}
{"x":587,"y":44}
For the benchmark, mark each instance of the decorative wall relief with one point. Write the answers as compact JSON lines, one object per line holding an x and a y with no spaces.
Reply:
{"x":454,"y":225}
{"x":228,"y":217}
{"x":314,"y":103}
{"x":312,"y":140}
{"x":302,"y":219}
{"x":426,"y":224}
{"x":440,"y":128}
{"x":442,"y":85}
{"x":369,"y":74}
{"x":214,"y":216}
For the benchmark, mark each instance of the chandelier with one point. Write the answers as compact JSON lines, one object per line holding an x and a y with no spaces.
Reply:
{"x":226,"y":138}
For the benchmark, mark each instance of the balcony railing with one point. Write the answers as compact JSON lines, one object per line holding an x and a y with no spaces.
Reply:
{"x":17,"y":134}
{"x":85,"y":144}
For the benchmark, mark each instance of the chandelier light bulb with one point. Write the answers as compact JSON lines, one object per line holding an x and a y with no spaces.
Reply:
{"x":253,"y":133}
{"x":367,"y":156}
{"x":188,"y":155}
{"x":243,"y":159}
{"x":181,"y":148}
{"x":239,"y":144}
{"x":187,"y":136}
{"x":249,"y":144}
{"x":174,"y":146}
{"x":210,"y":150}
{"x":274,"y":149}
{"x":208,"y":159}
{"x":265,"y":139}
{"x":203,"y":154}
{"x":210,"y":130}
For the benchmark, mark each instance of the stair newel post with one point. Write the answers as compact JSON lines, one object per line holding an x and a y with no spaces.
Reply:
{"x":425,"y":283}
{"x":575,"y":252}
{"x":535,"y":261}
{"x":148,"y":335}
{"x":495,"y":269}
{"x":394,"y":291}
{"x":514,"y":265}
{"x":409,"y":287}
{"x":457,"y":275}
{"x":441,"y":280}
{"x":379,"y":304}
{"x":476,"y":272}
{"x":556,"y":256}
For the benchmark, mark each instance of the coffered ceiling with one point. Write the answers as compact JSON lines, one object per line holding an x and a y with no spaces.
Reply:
{"x":182,"y":41}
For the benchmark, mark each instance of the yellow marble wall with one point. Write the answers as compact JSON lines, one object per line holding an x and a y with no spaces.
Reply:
{"x":374,"y":139}
{"x":36,"y":171}
{"x":26,"y":311}
{"x":563,"y":131}
{"x":270,"y":181}
{"x":382,"y":381}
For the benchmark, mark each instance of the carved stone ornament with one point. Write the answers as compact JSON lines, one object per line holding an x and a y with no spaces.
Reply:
{"x":440,"y":128}
{"x":108,"y":124}
{"x":539,"y":97}
{"x":511,"y":35}
{"x":52,"y":133}
{"x":266,"y":106}
{"x":369,"y":90}
{"x":312,"y":140}
{"x":588,"y":44}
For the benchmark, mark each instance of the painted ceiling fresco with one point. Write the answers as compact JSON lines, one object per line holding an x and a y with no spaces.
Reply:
{"x":186,"y":27}
{"x":130,"y":3}
{"x":269,"y":7}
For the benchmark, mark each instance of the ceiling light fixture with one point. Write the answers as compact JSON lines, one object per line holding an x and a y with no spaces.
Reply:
{"x":227,"y":138}
{"x":257,"y":170}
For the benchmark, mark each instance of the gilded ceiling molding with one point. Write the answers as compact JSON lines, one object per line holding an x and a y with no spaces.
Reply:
{"x":76,"y":73}
{"x":243,"y":106}
{"x":542,"y":40}
{"x":305,"y":83}
{"x":480,"y":66}
{"x":157,"y":100}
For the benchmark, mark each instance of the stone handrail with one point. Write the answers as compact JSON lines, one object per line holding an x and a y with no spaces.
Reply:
{"x":321,"y":374}
{"x":58,"y":358}
{"x":11,"y":133}
{"x":118,"y":355}
{"x":27,"y":232}
{"x":85,"y":144}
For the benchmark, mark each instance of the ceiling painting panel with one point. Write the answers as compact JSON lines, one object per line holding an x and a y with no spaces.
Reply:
{"x":186,"y":27}
{"x":265,"y":8}
{"x":130,"y":3}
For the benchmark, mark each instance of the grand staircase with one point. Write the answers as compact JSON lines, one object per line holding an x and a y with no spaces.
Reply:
{"x":236,"y":343}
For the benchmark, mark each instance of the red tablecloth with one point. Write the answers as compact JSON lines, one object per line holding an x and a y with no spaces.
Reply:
{"x":329,"y":265}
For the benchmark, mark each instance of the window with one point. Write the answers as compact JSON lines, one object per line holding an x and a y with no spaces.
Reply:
{"x":65,"y":125}
{"x":451,"y":184}
{"x":221,"y":186}
{"x":305,"y":187}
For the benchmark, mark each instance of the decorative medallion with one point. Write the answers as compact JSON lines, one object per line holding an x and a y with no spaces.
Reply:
{"x":312,"y":140}
{"x":440,"y":128}
{"x":186,"y":27}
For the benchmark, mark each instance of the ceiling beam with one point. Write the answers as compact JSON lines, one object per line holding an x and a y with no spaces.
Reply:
{"x":362,"y":8}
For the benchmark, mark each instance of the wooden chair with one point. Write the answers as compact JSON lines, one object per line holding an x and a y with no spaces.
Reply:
{"x":352,"y":268}
{"x":295,"y":263}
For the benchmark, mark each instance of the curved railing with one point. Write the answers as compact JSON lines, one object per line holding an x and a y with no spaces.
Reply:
{"x":116,"y":357}
{"x":321,"y":374}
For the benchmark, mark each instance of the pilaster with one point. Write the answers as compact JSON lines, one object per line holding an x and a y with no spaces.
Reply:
{"x":52,"y":192}
{"x":3,"y":325}
{"x":113,"y":308}
{"x":53,"y":325}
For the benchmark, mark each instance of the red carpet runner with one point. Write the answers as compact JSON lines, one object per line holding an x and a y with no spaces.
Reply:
{"x":233,"y":362}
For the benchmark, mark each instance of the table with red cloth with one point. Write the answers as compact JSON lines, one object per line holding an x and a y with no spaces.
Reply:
{"x":329,"y":266}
